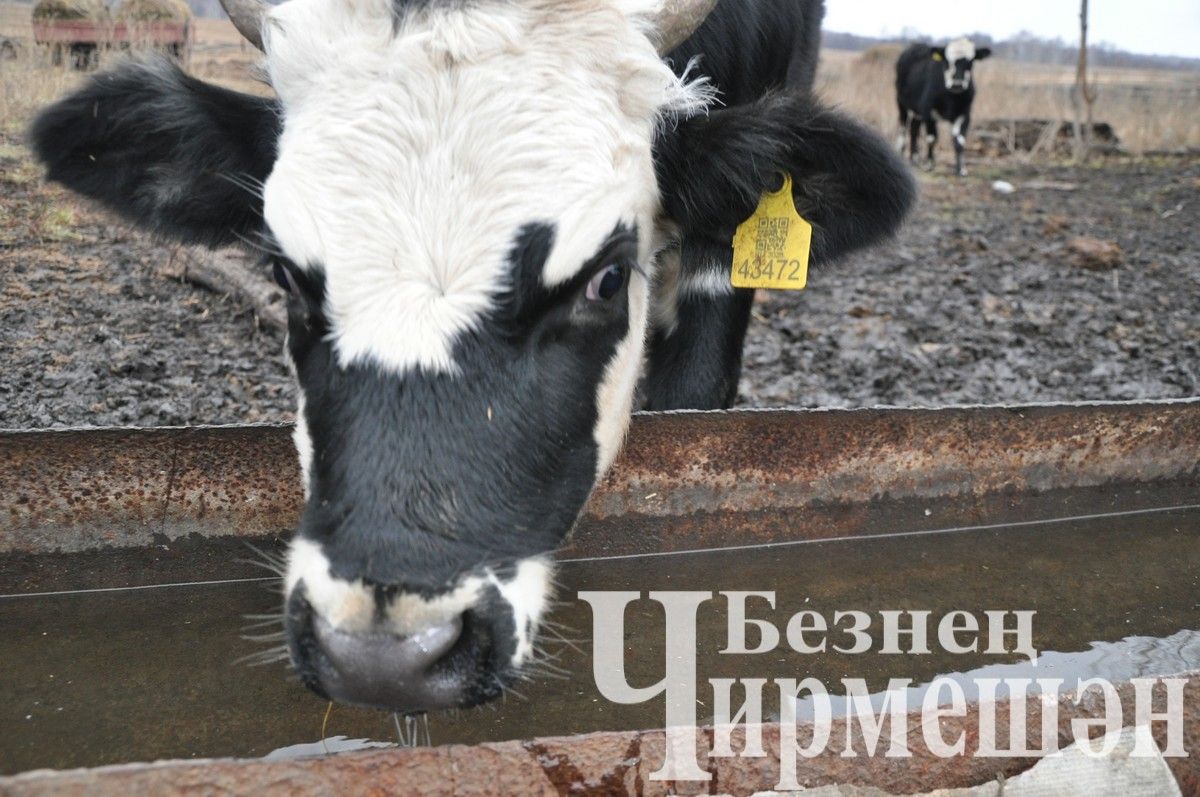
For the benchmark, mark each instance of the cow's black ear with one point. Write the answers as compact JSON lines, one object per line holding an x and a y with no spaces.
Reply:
{"x":847,"y":181}
{"x":937,"y":53}
{"x":982,"y":53}
{"x":177,"y":156}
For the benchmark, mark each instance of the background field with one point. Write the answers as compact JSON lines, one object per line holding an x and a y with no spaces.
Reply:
{"x":1151,"y":109}
{"x":982,"y":298}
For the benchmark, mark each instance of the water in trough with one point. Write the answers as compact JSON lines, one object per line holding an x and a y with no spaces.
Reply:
{"x":100,"y":677}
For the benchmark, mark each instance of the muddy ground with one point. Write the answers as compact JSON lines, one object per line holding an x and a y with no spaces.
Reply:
{"x":983,"y":298}
{"x":93,"y":333}
{"x":1083,"y":284}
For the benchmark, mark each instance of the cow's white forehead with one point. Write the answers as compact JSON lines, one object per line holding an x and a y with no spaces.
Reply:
{"x":960,"y":48}
{"x":415,"y":148}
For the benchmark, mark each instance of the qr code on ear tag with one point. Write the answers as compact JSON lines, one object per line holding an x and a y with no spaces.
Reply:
{"x":772,"y":237}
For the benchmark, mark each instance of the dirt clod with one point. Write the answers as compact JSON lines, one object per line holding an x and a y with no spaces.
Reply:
{"x":1095,"y":254}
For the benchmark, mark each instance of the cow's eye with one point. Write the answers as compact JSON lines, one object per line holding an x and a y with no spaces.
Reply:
{"x":607,"y":283}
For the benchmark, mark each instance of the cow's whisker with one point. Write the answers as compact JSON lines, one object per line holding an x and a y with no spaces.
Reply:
{"x":543,"y":653}
{"x":553,"y":638}
{"x":261,"y":622}
{"x":414,"y":732}
{"x":264,"y":616}
{"x":261,"y":565}
{"x":263,"y":657}
{"x":557,"y":625}
{"x":246,"y":182}
{"x":517,"y":694}
{"x":264,"y":248}
{"x":278,"y":561}
{"x":428,"y":732}
{"x":532,"y":674}
{"x":401,"y":730}
{"x":547,"y":663}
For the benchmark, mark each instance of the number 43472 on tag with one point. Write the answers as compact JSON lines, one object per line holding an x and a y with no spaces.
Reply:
{"x":761,"y":273}
{"x":771,"y":248}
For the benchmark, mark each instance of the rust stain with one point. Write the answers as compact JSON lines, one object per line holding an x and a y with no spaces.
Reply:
{"x":752,"y":460}
{"x":81,"y":490}
{"x":615,"y":763}
{"x":572,"y":781}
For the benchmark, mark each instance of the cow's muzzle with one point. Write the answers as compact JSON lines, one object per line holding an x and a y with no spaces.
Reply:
{"x":430,"y":669}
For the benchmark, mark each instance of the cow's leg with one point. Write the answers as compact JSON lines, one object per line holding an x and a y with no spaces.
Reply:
{"x":695,"y":353}
{"x":930,"y":140}
{"x":903,"y":134}
{"x":961,"y":125}
{"x":914,"y":137}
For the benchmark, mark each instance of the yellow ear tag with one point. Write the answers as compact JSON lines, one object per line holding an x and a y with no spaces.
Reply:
{"x":937,"y":56}
{"x":770,"y":249}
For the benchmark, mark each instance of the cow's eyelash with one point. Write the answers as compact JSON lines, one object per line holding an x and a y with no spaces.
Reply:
{"x":621,"y":248}
{"x":296,"y":282}
{"x":282,"y":273}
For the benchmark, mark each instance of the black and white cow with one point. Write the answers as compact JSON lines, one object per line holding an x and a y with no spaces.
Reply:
{"x":932,"y":82}
{"x":494,"y":219}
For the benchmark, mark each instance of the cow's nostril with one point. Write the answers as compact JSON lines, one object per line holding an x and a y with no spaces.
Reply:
{"x":390,"y":671}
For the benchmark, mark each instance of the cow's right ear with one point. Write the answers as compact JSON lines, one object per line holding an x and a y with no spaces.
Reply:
{"x":846,"y":181}
{"x":177,"y":156}
{"x":937,"y":53}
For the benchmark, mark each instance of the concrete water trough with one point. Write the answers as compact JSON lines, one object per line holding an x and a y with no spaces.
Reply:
{"x":125,"y":575}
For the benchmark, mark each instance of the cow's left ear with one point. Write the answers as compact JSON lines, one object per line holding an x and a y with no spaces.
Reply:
{"x":847,"y":181}
{"x":982,"y":53}
{"x":177,"y":156}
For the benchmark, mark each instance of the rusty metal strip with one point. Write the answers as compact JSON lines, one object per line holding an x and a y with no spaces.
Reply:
{"x":91,"y":489}
{"x":745,"y":461}
{"x":94,"y":489}
{"x":613,"y":763}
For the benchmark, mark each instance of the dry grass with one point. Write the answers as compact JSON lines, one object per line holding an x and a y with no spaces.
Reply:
{"x":1150,"y":110}
{"x":153,"y":11}
{"x":26,"y":84}
{"x":94,"y":10}
{"x":31,"y":81}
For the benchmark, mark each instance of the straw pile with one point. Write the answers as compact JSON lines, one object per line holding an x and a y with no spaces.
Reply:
{"x":153,"y":11}
{"x":93,"y":10}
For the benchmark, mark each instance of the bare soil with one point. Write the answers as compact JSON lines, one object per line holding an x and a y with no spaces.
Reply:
{"x":93,"y":334}
{"x":1080,"y":285}
{"x":983,"y":298}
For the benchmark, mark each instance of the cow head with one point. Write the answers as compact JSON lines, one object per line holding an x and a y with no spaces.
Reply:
{"x":460,"y":200}
{"x":958,"y":59}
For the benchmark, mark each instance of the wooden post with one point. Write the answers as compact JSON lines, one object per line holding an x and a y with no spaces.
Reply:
{"x":1083,"y":97}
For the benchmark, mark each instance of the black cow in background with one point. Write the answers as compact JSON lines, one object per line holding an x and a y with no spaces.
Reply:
{"x":937,"y":80}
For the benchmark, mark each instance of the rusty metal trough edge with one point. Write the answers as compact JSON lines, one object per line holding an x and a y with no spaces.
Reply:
{"x":614,"y":763}
{"x":77,"y":490}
